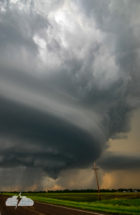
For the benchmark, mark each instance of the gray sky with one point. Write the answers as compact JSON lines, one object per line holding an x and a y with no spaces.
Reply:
{"x":69,"y":91}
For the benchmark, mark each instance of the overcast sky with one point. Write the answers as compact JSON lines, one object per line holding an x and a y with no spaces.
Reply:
{"x":69,"y":93}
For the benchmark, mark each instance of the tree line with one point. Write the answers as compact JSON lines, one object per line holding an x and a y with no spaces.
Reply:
{"x":78,"y":191}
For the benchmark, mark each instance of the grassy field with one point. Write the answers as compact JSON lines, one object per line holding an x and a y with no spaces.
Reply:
{"x":118,"y":203}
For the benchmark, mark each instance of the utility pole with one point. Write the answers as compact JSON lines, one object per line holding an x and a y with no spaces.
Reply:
{"x":95,"y":169}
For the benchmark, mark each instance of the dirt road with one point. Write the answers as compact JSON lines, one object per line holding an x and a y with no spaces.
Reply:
{"x":40,"y":208}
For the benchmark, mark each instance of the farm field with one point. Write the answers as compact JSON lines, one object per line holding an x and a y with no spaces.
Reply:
{"x":117,"y":203}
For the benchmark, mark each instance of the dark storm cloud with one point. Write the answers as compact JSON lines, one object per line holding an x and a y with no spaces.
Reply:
{"x":112,"y":161}
{"x":67,"y":85}
{"x":42,"y":140}
{"x":18,"y":179}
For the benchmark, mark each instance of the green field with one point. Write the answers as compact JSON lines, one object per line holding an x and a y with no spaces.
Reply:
{"x":118,"y":203}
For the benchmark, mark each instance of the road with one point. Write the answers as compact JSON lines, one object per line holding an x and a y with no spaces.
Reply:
{"x":40,"y":208}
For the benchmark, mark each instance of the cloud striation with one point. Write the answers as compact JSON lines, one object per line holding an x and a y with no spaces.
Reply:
{"x":69,"y":80}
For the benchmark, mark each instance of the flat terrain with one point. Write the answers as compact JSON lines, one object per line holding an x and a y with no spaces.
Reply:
{"x":116,"y":203}
{"x":85,"y":197}
{"x":39,"y":209}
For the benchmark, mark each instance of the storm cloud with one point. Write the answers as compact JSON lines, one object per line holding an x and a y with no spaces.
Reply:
{"x":111,"y":161}
{"x":69,"y":81}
